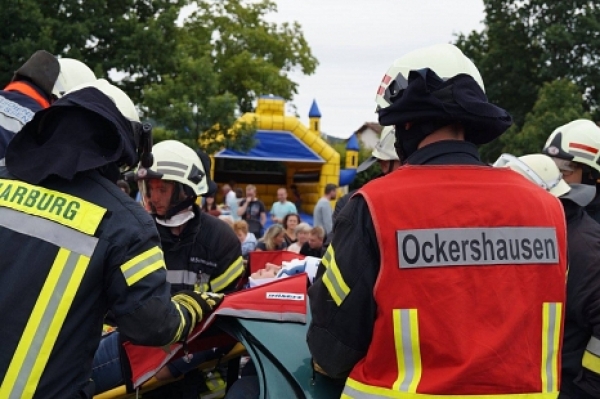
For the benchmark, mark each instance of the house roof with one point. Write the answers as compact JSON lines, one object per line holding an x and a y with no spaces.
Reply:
{"x":376,"y":127}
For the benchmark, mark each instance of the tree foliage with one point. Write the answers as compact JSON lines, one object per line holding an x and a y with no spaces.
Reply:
{"x":530,"y":43}
{"x":227,"y":55}
{"x":135,"y":37}
{"x":559,"y":102}
{"x":251,"y":56}
{"x":195,"y":79}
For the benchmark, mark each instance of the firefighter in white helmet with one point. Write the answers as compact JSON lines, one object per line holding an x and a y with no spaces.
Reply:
{"x":201,"y":251}
{"x":384,"y":154}
{"x":580,"y":372}
{"x":575,"y":147}
{"x":85,"y":247}
{"x":413,"y":295}
{"x":36,"y":84}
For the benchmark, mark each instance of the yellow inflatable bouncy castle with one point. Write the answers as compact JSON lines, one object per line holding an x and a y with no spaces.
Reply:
{"x":307,"y":162}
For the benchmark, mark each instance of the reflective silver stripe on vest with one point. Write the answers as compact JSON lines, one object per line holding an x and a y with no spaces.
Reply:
{"x":48,"y":231}
{"x":182,"y":277}
{"x":407,"y":350}
{"x":553,"y":331}
{"x":471,"y":246}
{"x":355,"y":394}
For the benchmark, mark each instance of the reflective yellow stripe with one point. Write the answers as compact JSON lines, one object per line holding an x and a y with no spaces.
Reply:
{"x":408,"y":350}
{"x":358,"y":390}
{"x":551,"y":322}
{"x":333,"y":280}
{"x":44,"y":325}
{"x":53,"y":205}
{"x":234,"y":271}
{"x":591,"y":356}
{"x":591,"y":362}
{"x":328,"y":256}
{"x":142,"y":265}
{"x":182,"y":323}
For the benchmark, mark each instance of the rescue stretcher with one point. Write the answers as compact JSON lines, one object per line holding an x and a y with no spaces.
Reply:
{"x":269,"y":323}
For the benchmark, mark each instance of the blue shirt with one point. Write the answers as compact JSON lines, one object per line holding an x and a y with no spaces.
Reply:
{"x":280,"y":209}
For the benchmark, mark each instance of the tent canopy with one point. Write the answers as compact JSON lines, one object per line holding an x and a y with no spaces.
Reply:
{"x":275,"y":145}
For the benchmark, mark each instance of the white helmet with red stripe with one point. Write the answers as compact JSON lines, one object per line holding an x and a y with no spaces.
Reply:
{"x":446,"y":60}
{"x":577,"y":141}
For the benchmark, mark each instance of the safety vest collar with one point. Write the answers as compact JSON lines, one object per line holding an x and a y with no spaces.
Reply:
{"x":29,"y":91}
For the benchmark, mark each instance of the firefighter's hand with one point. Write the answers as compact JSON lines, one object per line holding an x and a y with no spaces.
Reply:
{"x":199,"y":304}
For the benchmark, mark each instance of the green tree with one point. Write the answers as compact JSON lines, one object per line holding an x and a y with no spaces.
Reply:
{"x":251,"y":56}
{"x":527,"y":44}
{"x":135,"y":37}
{"x":559,"y":102}
{"x":227,"y":55}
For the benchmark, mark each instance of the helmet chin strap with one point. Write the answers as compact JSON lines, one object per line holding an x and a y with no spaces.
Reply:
{"x":176,"y":209}
{"x":177,"y":220}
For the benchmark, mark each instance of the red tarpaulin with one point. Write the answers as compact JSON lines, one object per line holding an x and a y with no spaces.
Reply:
{"x":282,"y":300}
{"x":258,"y":259}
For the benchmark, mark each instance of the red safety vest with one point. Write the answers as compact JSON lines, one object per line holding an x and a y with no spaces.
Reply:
{"x":471,"y":288}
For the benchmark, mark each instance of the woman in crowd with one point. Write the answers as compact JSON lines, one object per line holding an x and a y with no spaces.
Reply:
{"x":301,"y":231}
{"x":273,"y":239}
{"x":210,"y":206}
{"x":290,"y":221}
{"x":248,"y":240}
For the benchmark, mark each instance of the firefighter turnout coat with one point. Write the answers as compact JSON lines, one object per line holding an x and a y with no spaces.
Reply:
{"x":71,"y":251}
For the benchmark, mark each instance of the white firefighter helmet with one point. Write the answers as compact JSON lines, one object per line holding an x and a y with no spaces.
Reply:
{"x":384,"y":150}
{"x":175,"y":161}
{"x":72,"y":73}
{"x":446,"y":60}
{"x":577,"y":141}
{"x":118,"y":96}
{"x":542,"y":171}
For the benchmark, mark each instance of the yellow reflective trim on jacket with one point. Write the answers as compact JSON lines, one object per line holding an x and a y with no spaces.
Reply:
{"x":591,"y":356}
{"x":230,"y":274}
{"x":591,"y":362}
{"x":62,"y":208}
{"x":358,"y":390}
{"x":328,"y":256}
{"x":333,"y":280}
{"x":44,"y":325}
{"x":142,"y":265}
{"x":551,"y":323}
{"x":408,"y":349}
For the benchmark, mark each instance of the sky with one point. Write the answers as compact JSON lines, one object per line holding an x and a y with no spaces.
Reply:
{"x":356,"y":41}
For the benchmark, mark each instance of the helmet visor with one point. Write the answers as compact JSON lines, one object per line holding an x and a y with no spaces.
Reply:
{"x":508,"y":160}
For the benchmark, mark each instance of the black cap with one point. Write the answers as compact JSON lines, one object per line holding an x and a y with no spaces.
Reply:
{"x":429,"y":98}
